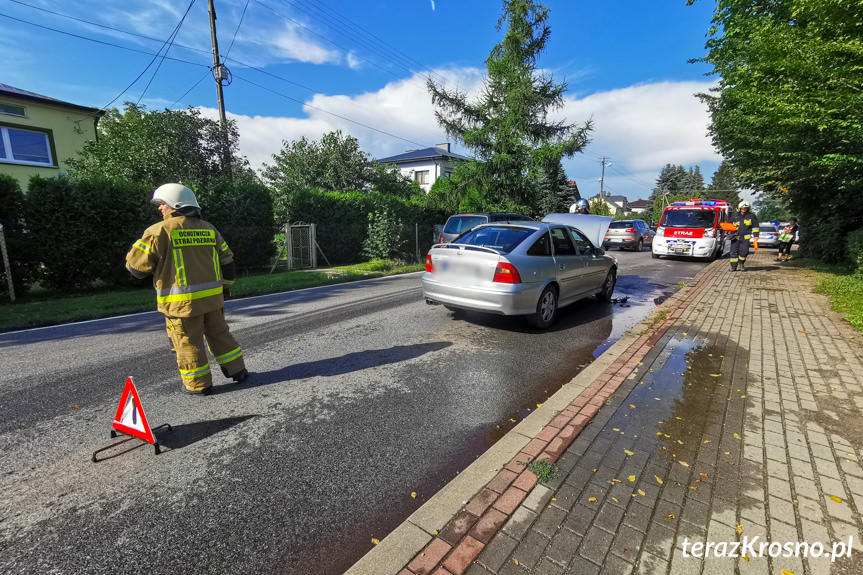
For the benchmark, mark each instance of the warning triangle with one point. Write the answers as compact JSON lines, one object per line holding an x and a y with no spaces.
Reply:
{"x":130,"y":418}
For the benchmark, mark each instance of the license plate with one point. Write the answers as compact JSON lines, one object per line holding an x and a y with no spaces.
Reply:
{"x":617,"y":239}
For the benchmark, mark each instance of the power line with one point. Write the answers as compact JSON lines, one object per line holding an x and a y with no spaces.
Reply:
{"x":101,"y":41}
{"x":242,"y":16}
{"x":339,"y":46}
{"x":91,"y":23}
{"x":171,"y":43}
{"x":379,"y":40}
{"x":306,"y":104}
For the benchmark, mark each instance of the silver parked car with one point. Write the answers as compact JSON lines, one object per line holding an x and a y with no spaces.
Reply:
{"x":768,"y":236}
{"x":632,"y":234}
{"x":522,"y":268}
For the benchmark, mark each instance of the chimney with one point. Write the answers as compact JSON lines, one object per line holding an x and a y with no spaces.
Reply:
{"x":444,"y":147}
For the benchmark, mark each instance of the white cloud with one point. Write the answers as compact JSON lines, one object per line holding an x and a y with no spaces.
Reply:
{"x":292,"y":44}
{"x":432,"y":4}
{"x":353,"y":62}
{"x":641,"y":128}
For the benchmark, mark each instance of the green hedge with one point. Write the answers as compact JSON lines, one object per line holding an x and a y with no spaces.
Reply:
{"x":21,"y":257}
{"x":854,"y":241}
{"x":81,"y":230}
{"x":243,"y":213}
{"x":342,"y":220}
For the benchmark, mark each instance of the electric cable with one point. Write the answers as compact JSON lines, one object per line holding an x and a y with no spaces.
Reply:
{"x":242,"y":16}
{"x":172,"y":38}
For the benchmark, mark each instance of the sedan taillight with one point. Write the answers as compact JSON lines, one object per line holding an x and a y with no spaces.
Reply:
{"x":506,"y":273}
{"x":429,"y":266}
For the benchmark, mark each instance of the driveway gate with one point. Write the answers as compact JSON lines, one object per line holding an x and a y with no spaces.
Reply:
{"x":299,"y":247}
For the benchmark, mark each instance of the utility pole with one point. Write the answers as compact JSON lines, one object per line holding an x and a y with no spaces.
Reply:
{"x":602,"y":179}
{"x":220,"y":72}
{"x":218,"y":69}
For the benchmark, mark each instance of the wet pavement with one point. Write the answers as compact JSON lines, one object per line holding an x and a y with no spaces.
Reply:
{"x":734,"y":424}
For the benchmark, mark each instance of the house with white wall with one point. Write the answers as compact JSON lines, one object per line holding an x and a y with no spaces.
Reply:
{"x":426,"y":165}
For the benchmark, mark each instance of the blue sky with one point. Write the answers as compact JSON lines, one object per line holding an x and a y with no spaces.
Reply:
{"x":306,"y":67}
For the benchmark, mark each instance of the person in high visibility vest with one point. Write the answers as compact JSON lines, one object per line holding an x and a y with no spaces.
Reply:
{"x":787,"y":239}
{"x":746,"y":232}
{"x":192,"y":269}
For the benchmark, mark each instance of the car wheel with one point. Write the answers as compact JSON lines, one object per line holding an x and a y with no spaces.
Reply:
{"x":653,"y":254}
{"x":640,"y":246}
{"x":546,"y":309}
{"x":608,"y":286}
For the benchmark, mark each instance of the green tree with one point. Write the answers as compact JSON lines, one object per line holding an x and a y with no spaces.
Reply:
{"x":786,"y":109}
{"x":507,"y":126}
{"x":335,"y":163}
{"x":725,"y":185}
{"x":153,"y":148}
{"x":769,"y":208}
{"x":670,"y":181}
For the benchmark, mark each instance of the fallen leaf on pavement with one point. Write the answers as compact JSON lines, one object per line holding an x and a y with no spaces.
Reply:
{"x":836,"y":499}
{"x":707,"y":441}
{"x":658,"y":479}
{"x":628,"y":452}
{"x":375,"y":541}
{"x":592,"y":499}
{"x":739,"y":528}
{"x":715,"y":374}
{"x":414,"y":494}
{"x":669,"y":517}
{"x":704,"y":475}
{"x":737,"y":436}
{"x":641,"y":492}
{"x":683,"y":463}
{"x":803,"y":331}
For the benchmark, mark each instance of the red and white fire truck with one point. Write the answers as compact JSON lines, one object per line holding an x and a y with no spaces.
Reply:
{"x":692,"y":228}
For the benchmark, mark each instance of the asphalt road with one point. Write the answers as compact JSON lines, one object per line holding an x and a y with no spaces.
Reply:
{"x":362,"y":394}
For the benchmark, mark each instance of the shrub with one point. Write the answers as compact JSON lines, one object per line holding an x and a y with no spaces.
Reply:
{"x":82,"y":229}
{"x":18,"y":241}
{"x":854,"y":242}
{"x":243,"y":212}
{"x":384,"y":240}
{"x":343,"y":225}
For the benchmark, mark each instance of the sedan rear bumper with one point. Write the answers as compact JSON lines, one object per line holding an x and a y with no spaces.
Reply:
{"x":503,"y":299}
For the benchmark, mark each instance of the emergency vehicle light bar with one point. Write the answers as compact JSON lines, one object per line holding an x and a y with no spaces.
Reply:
{"x":717,"y":203}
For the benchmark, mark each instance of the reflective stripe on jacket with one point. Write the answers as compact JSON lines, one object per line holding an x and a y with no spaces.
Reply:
{"x":747,"y":226}
{"x":185,"y":256}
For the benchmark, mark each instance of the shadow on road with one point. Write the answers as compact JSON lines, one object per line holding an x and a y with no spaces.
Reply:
{"x":186,"y":434}
{"x":349,"y":363}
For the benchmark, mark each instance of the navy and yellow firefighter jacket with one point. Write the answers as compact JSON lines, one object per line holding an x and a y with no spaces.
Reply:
{"x":187,"y":257}
{"x":747,"y":226}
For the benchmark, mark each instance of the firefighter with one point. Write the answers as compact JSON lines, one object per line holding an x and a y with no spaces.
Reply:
{"x":747,"y":230}
{"x":192,"y":269}
{"x":580,"y":207}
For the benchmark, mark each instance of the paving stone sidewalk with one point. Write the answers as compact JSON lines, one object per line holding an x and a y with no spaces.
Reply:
{"x":737,"y":418}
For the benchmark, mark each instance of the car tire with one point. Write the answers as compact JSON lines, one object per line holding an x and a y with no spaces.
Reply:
{"x":546,"y":309}
{"x":654,"y":255}
{"x":640,"y":246}
{"x":608,"y":286}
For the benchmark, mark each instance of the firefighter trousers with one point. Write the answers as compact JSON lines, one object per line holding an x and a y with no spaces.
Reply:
{"x":187,"y":335}
{"x":739,"y":251}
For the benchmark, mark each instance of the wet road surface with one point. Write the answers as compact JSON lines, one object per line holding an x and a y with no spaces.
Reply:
{"x":354,"y":406}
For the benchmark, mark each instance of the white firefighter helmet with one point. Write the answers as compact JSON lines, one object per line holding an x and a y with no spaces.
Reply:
{"x":743,"y":204}
{"x":579,"y":205}
{"x":175,"y":195}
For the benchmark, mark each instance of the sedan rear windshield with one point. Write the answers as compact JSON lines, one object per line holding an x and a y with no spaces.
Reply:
{"x":502,"y":239}
{"x":767,"y":228}
{"x":688,"y":219}
{"x":459,"y":224}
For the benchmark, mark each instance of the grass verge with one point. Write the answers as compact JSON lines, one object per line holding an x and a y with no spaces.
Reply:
{"x":843,"y":287}
{"x":54,"y":308}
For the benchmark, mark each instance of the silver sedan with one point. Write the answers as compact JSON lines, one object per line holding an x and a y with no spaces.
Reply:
{"x":524,"y":268}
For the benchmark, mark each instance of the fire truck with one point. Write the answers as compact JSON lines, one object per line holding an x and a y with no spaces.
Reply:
{"x":692,"y":228}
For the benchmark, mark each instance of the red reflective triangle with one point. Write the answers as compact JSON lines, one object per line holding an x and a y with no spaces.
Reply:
{"x":130,"y":418}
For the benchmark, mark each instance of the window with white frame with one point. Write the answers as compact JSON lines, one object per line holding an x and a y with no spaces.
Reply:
{"x":422,"y":177}
{"x":21,"y":146}
{"x":12,"y":110}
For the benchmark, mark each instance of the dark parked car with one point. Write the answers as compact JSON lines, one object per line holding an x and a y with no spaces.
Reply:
{"x":633,"y":234}
{"x":460,"y":223}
